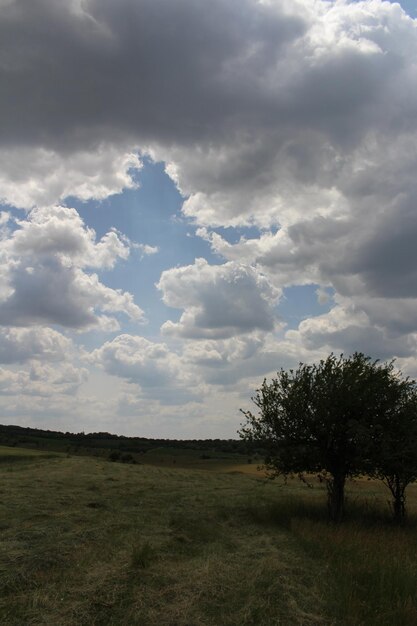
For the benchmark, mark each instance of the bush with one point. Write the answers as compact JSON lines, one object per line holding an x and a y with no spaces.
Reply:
{"x":127,"y":458}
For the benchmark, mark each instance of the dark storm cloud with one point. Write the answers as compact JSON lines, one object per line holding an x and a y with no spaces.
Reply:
{"x":75,"y":71}
{"x":79,"y":72}
{"x":387,"y":257}
{"x":247,"y":101}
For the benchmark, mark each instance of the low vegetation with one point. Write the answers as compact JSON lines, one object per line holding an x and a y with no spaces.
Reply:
{"x":89,"y":541}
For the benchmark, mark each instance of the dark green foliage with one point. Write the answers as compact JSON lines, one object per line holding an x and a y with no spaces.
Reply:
{"x":393,"y":453}
{"x":127,"y":458}
{"x":99,"y":444}
{"x":330,"y":418}
{"x":115,"y":455}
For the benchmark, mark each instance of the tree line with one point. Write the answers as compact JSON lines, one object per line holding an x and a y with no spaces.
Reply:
{"x":340,"y":418}
{"x":11,"y":435}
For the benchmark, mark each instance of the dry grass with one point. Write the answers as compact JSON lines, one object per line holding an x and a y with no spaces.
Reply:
{"x":93,"y":542}
{"x":374,"y":570}
{"x":88,"y":542}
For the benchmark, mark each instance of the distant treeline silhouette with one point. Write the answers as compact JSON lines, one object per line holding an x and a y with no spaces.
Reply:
{"x":11,"y":435}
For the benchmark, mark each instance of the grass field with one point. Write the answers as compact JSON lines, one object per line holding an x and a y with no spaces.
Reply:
{"x":86,"y":541}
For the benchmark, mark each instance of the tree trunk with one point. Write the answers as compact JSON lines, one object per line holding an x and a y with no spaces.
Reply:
{"x":336,"y":497}
{"x":398,"y":503}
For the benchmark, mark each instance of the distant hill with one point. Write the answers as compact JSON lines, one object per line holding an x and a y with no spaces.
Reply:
{"x":102,"y":442}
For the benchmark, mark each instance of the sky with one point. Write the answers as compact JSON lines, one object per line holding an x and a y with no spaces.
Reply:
{"x":194,"y":195}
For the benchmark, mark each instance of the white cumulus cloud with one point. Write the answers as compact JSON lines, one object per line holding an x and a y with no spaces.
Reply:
{"x":44,"y":278}
{"x":38,"y":176}
{"x":18,"y":345}
{"x":153,"y":367}
{"x":219,"y":301}
{"x":42,"y":380}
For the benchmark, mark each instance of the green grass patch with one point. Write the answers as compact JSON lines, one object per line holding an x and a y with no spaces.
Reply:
{"x":11,"y":455}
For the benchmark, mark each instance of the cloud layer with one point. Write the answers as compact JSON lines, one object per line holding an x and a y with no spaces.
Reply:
{"x":297,"y":118}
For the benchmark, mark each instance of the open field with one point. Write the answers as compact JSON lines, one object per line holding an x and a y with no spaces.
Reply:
{"x":86,"y":541}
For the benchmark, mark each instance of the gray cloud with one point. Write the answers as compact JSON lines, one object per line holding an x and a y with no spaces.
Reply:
{"x":251,"y":104}
{"x":158,"y":68}
{"x":386,"y":258}
{"x":347,"y":329}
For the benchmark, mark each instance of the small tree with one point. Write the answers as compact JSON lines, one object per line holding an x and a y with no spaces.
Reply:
{"x":393,"y":455}
{"x":321,"y":418}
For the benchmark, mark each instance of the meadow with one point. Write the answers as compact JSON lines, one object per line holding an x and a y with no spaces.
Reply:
{"x":190,"y":541}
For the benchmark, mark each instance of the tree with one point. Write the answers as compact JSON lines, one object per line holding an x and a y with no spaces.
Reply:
{"x":322,"y":418}
{"x":393,"y":453}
